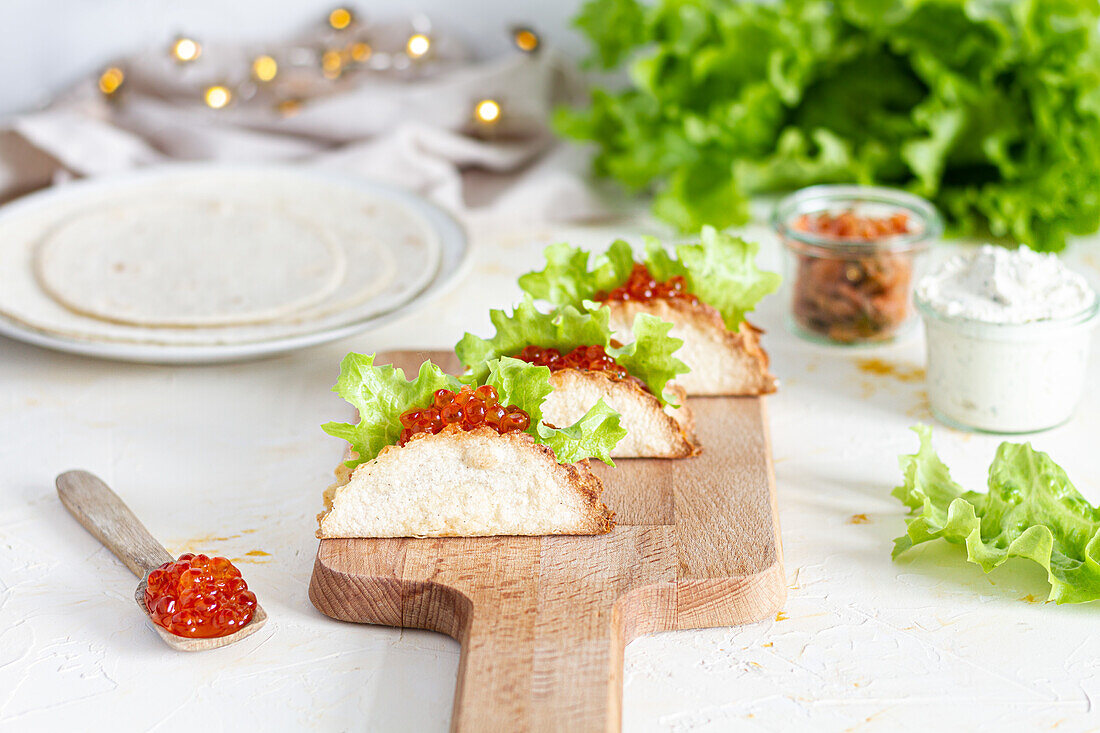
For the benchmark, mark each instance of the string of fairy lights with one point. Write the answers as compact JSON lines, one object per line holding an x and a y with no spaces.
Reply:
{"x":346,"y":51}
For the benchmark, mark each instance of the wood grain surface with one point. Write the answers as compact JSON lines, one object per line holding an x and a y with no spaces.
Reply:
{"x":543,"y":621}
{"x":100,"y":511}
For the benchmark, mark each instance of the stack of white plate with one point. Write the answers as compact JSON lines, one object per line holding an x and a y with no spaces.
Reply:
{"x":199,"y":262}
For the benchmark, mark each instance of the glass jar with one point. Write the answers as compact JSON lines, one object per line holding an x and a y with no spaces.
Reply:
{"x":853,"y":285}
{"x":1005,"y":378}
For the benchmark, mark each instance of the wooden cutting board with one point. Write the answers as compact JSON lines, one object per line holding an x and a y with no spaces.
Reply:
{"x":543,"y":621}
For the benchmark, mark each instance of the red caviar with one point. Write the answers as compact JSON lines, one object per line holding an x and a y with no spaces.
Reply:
{"x":199,"y":597}
{"x":468,"y":408}
{"x":589,"y":358}
{"x":641,"y":285}
{"x":849,"y":225}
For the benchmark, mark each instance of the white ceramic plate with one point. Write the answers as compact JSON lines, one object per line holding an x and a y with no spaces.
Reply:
{"x":437,"y":264}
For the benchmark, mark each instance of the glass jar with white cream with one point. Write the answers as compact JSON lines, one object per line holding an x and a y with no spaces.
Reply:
{"x":1008,"y":335}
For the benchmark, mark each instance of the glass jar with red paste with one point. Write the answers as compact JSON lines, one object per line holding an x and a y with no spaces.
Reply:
{"x":853,"y":252}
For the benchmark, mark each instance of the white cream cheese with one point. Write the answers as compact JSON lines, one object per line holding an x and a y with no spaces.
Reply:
{"x":1008,"y":339}
{"x":998,"y":285}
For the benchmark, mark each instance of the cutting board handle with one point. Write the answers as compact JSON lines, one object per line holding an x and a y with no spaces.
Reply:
{"x":110,"y":521}
{"x":544,"y":672}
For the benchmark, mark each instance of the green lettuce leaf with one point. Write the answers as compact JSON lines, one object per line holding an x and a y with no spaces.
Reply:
{"x":1031,"y":510}
{"x":564,"y":329}
{"x":526,"y":386}
{"x":649,"y":357}
{"x":569,"y":277}
{"x":720,"y":269}
{"x":382,"y":394}
{"x":617,"y":23}
{"x":593,"y":436}
{"x":702,"y":192}
{"x":991,"y":108}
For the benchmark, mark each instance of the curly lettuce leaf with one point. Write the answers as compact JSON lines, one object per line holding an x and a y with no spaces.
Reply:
{"x":1031,"y":510}
{"x":990,"y":109}
{"x":570,"y":279}
{"x":564,"y":329}
{"x":720,"y":269}
{"x":616,"y":23}
{"x":526,"y":386}
{"x":593,"y":436}
{"x":381,"y":394}
{"x":662,"y":264}
{"x":703,"y":192}
{"x":649,"y":357}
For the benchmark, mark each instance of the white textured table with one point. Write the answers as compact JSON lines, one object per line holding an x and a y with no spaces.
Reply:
{"x":230,"y":460}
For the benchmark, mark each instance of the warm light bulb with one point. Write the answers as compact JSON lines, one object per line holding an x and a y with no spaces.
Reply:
{"x":360,"y":52}
{"x":487,"y":111}
{"x":340,"y":18}
{"x":110,"y":80}
{"x":265,"y":68}
{"x":218,"y":96}
{"x":525,"y":39}
{"x":332,"y":63}
{"x":289,"y":107}
{"x":185,"y":49}
{"x":418,"y":45}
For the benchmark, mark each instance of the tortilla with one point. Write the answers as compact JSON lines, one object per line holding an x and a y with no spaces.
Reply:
{"x":392,"y":252}
{"x":188,"y":263}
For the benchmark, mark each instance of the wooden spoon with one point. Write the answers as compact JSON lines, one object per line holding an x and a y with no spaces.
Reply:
{"x":111,"y":522}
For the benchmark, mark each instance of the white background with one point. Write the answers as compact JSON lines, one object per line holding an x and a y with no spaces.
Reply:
{"x":48,"y":44}
{"x":231,"y":460}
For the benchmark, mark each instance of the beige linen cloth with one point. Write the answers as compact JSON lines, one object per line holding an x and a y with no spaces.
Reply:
{"x":393,"y":118}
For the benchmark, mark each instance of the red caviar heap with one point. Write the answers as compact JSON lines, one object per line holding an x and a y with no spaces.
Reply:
{"x":589,"y":358}
{"x":199,"y":597}
{"x":849,"y":225}
{"x":641,"y":285}
{"x":468,"y":408}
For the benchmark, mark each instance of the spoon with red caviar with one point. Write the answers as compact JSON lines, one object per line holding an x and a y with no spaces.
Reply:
{"x":195,"y":602}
